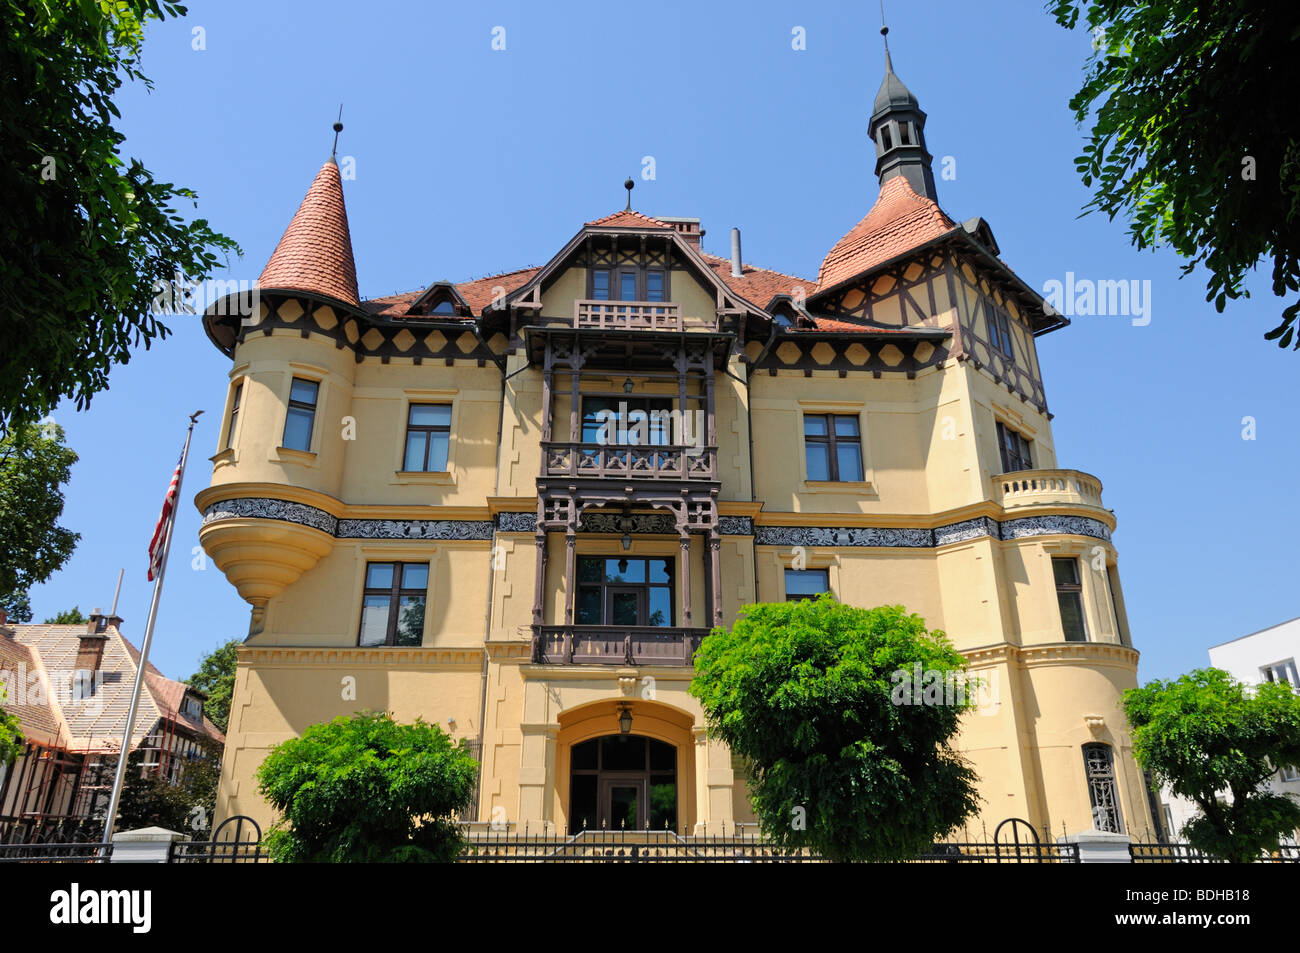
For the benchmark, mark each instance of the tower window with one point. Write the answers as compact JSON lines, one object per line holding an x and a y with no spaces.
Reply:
{"x":1069,"y":596}
{"x":234,"y":414}
{"x":301,"y":415}
{"x":904,"y":134}
{"x":1014,"y":448}
{"x":886,"y":140}
{"x":1099,"y":768}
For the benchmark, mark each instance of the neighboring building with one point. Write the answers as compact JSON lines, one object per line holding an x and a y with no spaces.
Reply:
{"x":1269,"y":655}
{"x":70,"y":686}
{"x":425,"y":503}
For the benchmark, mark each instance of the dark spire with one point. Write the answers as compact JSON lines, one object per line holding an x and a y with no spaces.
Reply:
{"x":898,"y":130}
{"x":629,"y":185}
{"x":338,"y":127}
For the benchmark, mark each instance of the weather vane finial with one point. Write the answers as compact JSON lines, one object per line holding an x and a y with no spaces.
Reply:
{"x":884,"y":32}
{"x":338,"y":127}
{"x":629,"y":185}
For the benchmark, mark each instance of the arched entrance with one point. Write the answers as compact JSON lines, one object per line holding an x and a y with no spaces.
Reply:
{"x":627,"y":776}
{"x":622,"y":782}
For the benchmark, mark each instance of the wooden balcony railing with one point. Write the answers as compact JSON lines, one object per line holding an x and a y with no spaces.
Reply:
{"x":615,"y":645}
{"x":629,"y":461}
{"x":1045,"y":488}
{"x":624,"y":315}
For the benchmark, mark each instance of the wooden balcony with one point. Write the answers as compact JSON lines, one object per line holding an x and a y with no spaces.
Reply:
{"x":627,"y":315}
{"x":615,"y":645}
{"x":629,"y":461}
{"x":1046,"y":488}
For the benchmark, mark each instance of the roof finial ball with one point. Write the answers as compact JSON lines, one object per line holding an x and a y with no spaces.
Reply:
{"x":629,"y":185}
{"x":338,"y":127}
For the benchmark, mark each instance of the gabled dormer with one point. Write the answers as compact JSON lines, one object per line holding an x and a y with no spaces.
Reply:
{"x":440,"y":299}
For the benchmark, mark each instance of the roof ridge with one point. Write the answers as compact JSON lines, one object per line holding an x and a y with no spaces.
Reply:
{"x":750,"y":264}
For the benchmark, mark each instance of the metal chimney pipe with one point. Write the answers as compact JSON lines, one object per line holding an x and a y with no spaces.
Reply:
{"x":735,"y":253}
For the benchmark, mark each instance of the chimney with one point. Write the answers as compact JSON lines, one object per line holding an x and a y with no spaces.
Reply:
{"x":688,"y":228}
{"x":90,"y":649}
{"x":735,"y":253}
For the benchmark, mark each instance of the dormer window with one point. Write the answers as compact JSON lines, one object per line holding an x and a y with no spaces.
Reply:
{"x":191,"y":707}
{"x":628,"y":284}
{"x":444,"y":307}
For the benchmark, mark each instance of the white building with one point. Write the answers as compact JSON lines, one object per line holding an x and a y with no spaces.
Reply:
{"x":1268,"y":655}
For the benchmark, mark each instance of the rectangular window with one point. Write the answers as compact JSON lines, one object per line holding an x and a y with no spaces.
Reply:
{"x":301,"y":414}
{"x":428,"y":434}
{"x":600,"y":284}
{"x":627,"y":285}
{"x":833,"y":448}
{"x":654,"y":285}
{"x":392,"y":605}
{"x":999,"y":330}
{"x":803,"y":584}
{"x":599,"y":428}
{"x":904,"y":137}
{"x":1069,"y":596}
{"x":1014,"y":448}
{"x":234,"y":414}
{"x":625,"y":591}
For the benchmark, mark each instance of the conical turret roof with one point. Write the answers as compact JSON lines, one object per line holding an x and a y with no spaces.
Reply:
{"x":315,"y":253}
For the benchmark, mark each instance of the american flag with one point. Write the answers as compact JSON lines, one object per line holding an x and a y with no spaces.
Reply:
{"x":164,"y":520}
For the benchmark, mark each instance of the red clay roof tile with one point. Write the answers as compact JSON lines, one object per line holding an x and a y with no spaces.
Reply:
{"x":315,"y":252}
{"x":626,"y":218}
{"x":899,"y":221}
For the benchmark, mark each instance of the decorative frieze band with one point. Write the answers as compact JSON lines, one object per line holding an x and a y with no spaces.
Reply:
{"x":270,"y":509}
{"x":925,"y":538}
{"x":854,"y":536}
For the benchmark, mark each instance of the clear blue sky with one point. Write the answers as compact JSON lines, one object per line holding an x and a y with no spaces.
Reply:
{"x":471,"y":161}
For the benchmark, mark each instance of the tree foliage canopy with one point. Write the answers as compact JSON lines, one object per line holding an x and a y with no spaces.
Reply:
{"x":806,"y":692}
{"x":11,"y":733}
{"x":1195,"y":134}
{"x":367,"y":789}
{"x":71,"y":616}
{"x":216,"y":678}
{"x":34,"y":463}
{"x":84,"y":233}
{"x":1206,"y":736}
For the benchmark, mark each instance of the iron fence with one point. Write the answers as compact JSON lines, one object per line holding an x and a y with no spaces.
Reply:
{"x":1161,"y":853}
{"x":55,"y":853}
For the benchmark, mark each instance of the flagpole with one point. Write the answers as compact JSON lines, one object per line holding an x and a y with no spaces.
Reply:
{"x":111,"y":818}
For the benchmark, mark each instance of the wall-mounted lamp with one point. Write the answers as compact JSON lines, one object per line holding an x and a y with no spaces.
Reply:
{"x":624,"y":720}
{"x":627,"y":386}
{"x":625,"y":524}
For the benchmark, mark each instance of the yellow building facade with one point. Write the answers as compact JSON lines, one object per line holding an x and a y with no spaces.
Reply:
{"x":513,"y":507}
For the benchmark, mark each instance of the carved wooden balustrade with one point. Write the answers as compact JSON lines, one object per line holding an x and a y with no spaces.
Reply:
{"x":628,"y":461}
{"x":615,"y":645}
{"x":623,"y":315}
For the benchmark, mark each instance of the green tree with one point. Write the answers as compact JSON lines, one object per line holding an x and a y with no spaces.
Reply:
{"x":152,"y":800}
{"x":367,"y":789}
{"x":216,"y":678}
{"x":846,"y":756}
{"x":34,"y":463}
{"x":1195,"y":135}
{"x":1207,"y":735}
{"x":87,"y":238}
{"x":11,"y":733}
{"x":71,"y":616}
